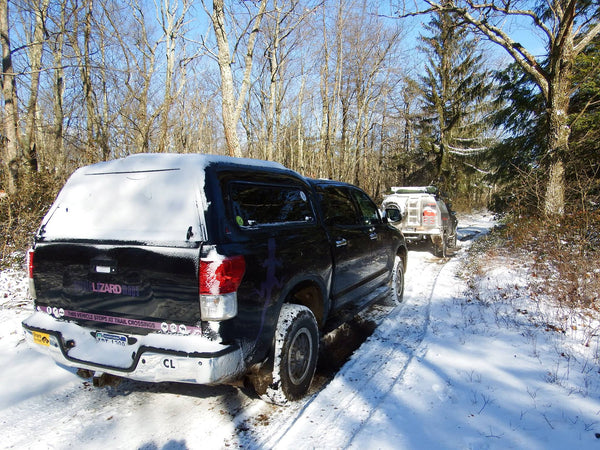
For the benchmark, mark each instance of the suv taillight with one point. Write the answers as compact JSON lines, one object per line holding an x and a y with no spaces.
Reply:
{"x":429,"y":216}
{"x":219,"y":281}
{"x":30,"y":273}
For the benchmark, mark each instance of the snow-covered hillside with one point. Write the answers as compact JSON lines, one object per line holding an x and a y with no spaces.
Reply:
{"x":468,"y":360}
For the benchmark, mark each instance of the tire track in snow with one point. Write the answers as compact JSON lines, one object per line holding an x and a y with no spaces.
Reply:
{"x":336,"y":414}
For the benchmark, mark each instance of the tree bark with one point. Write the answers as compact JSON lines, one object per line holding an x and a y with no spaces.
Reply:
{"x":11,"y":115}
{"x":35,"y":58}
{"x":172,"y":26}
{"x":58,"y":90}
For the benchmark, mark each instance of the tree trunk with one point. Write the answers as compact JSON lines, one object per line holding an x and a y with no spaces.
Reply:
{"x":562,"y":58}
{"x":59,"y":156}
{"x":558,"y":144}
{"x":172,"y":26}
{"x":85,"y":69}
{"x":227,"y":92}
{"x":35,"y":58}
{"x":10,"y":155}
{"x":231,"y":110}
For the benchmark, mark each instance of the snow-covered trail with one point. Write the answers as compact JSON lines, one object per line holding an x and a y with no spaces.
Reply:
{"x":337,"y":415}
{"x":67,"y":412}
{"x":448,"y":368}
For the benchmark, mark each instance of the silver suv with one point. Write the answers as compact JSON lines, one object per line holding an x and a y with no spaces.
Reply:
{"x":420,"y":213}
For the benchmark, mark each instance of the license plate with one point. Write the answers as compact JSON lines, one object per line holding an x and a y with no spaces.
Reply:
{"x":41,"y":338}
{"x":111,"y":338}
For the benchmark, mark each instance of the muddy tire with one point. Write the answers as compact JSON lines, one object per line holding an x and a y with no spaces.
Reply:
{"x":295,"y":355}
{"x":452,"y":240}
{"x":397,"y":285}
{"x":441,"y":247}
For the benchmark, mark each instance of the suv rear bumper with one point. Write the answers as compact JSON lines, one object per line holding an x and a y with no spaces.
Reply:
{"x":154,"y":357}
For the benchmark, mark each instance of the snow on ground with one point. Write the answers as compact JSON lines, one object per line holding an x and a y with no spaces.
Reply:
{"x":468,"y":360}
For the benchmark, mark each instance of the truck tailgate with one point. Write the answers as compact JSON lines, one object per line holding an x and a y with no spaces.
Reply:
{"x":117,"y":281}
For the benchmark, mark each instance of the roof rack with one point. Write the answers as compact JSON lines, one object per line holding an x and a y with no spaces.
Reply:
{"x":415,"y":189}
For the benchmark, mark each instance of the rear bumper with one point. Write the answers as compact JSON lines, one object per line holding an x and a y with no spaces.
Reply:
{"x":420,"y":231}
{"x":154,"y":357}
{"x":414,"y":234}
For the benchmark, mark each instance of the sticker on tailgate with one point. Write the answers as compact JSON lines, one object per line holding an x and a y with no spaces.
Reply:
{"x":111,"y":338}
{"x":41,"y":338}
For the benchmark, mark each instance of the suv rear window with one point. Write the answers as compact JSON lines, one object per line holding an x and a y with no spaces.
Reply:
{"x":259,"y":204}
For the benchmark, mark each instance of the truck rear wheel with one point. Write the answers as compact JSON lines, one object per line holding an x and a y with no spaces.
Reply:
{"x":295,"y":356}
{"x":441,"y":246}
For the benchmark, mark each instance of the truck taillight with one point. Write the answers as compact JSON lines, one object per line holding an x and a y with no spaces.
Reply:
{"x":219,"y":281}
{"x":429,"y":216}
{"x":30,"y":273}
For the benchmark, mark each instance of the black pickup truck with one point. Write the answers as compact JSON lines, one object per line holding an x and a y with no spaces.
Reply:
{"x":205,"y":269}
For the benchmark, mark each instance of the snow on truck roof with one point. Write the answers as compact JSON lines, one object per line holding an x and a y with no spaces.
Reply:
{"x":144,"y":162}
{"x":144,"y":198}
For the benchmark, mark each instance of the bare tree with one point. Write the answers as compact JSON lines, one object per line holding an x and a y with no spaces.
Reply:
{"x":139,"y":54}
{"x":40,"y":11}
{"x":85,"y":72}
{"x":172,"y":21}
{"x":232,"y":108}
{"x":567,"y":26}
{"x":280,"y":41}
{"x":56,"y":27}
{"x":330,"y":85}
{"x":10,"y":156}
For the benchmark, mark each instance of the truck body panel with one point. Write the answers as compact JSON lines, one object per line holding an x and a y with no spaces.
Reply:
{"x":175,"y":267}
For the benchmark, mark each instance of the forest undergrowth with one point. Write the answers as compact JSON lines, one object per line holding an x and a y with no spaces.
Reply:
{"x":550,"y":278}
{"x":20,"y":215}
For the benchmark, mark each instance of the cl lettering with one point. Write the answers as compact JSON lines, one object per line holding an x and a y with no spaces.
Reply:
{"x":168,"y":363}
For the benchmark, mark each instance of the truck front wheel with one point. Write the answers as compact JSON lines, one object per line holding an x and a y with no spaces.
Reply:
{"x":295,"y":355}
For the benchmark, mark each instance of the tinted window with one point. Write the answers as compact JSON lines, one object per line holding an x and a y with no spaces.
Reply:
{"x":338,"y":208}
{"x":369,"y":212}
{"x":257,"y":204}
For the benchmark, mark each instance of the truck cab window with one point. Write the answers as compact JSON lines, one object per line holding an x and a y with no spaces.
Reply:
{"x":257,"y":204}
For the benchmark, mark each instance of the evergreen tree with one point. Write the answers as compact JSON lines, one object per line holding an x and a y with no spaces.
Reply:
{"x":522,"y":117}
{"x":583,"y":169}
{"x":455,"y":128}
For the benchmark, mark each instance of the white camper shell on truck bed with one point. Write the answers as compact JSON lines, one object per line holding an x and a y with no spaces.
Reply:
{"x":420,"y":213}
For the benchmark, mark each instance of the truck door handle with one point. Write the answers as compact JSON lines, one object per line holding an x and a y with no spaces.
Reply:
{"x":372,"y":233}
{"x":341,"y":242}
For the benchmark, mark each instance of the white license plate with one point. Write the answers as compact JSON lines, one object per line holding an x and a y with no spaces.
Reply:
{"x":111,"y":338}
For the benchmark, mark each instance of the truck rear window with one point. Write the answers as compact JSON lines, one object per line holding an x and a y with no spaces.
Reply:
{"x":156,"y":206}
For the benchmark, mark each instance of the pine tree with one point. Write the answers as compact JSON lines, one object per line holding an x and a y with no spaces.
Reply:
{"x":583,"y":170}
{"x":455,"y":127}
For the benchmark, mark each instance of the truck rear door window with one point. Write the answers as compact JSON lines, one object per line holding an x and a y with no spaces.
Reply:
{"x":258,"y":204}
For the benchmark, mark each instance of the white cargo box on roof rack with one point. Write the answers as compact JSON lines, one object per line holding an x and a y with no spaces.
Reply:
{"x":415,"y":189}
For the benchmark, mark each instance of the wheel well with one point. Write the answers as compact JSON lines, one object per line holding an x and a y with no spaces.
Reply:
{"x":310,"y":295}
